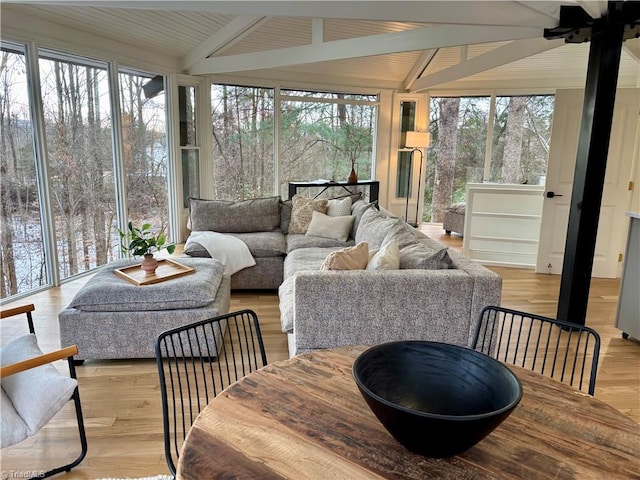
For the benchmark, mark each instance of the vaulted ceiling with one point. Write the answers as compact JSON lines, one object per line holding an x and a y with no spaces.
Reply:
{"x":415,"y":45}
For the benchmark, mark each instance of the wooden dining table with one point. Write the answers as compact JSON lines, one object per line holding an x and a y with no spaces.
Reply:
{"x":304,"y":418}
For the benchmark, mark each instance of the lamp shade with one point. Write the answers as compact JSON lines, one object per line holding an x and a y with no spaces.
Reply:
{"x":416,"y":139}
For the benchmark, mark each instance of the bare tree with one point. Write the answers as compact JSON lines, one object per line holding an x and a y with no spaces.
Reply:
{"x":511,"y":171}
{"x":446,"y":156}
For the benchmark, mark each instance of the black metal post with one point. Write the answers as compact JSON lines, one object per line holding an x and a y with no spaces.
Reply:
{"x":588,"y":181}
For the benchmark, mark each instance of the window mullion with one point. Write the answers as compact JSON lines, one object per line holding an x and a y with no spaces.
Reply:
{"x":42,"y":164}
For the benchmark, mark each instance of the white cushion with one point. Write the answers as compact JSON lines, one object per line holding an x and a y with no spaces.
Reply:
{"x":13,"y":428}
{"x":336,"y":228}
{"x":386,"y":258}
{"x":339,"y":207}
{"x":39,"y":393}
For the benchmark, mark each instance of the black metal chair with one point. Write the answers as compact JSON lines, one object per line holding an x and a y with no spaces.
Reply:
{"x":565,"y":351}
{"x":196,"y":362}
{"x":42,"y":388}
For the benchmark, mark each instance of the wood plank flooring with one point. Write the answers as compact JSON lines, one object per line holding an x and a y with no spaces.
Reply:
{"x":122,"y":405}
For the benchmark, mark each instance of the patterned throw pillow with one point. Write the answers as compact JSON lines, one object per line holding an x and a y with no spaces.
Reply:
{"x":301,"y":211}
{"x":350,"y":258}
{"x":339,"y":207}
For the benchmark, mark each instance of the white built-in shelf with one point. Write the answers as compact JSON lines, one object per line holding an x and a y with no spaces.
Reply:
{"x":502,"y":223}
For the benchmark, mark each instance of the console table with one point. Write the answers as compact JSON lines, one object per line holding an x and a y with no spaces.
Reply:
{"x":374,"y":187}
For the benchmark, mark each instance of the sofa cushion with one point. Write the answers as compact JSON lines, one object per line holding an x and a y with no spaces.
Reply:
{"x":39,"y":393}
{"x":253,"y":215}
{"x":419,"y":255}
{"x":374,"y":227}
{"x":386,"y":257}
{"x":302,"y":210}
{"x":106,"y":292}
{"x":357,"y":210}
{"x":350,"y":258}
{"x":305,"y":259}
{"x":260,"y":244}
{"x":338,"y":207}
{"x":337,"y":228}
{"x":296,"y":241}
{"x":264,"y":244}
{"x":285,"y":215}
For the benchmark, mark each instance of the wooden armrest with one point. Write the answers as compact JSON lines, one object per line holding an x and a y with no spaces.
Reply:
{"x":17,"y":367}
{"x":10,"y":312}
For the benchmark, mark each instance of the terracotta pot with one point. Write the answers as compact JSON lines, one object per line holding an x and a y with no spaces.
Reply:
{"x":149,"y":264}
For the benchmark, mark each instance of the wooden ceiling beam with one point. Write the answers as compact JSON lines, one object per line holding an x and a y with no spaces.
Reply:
{"x":229,"y":35}
{"x":511,"y":52}
{"x":395,"y":42}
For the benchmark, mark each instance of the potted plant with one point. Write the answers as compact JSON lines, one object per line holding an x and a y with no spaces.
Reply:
{"x":144,"y":242}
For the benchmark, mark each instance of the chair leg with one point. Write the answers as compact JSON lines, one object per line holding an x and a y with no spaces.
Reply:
{"x":83,"y":441}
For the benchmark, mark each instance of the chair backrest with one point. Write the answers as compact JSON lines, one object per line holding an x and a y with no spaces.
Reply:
{"x":565,"y":351}
{"x":196,"y":362}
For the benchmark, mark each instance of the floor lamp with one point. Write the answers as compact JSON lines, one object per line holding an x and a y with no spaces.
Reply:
{"x":415,"y":141}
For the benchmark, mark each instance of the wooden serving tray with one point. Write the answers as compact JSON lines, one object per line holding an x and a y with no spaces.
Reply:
{"x":167,"y":269}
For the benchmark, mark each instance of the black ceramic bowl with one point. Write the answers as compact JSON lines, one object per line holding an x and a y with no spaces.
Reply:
{"x":436,"y":399}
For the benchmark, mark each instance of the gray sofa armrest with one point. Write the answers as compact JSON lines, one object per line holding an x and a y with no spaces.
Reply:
{"x":334,"y":309}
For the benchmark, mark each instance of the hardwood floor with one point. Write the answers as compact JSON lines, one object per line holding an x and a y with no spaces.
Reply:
{"x":121,"y":402}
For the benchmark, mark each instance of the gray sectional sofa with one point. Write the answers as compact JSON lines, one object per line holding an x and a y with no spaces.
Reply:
{"x":435,"y":294}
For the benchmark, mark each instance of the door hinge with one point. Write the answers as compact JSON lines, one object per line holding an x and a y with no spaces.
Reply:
{"x":620,"y":257}
{"x":631,"y":185}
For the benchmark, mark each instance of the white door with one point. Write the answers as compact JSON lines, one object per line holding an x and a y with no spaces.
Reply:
{"x":616,"y":196}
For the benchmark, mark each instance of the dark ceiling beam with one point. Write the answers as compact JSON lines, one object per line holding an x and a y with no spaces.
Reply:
{"x":606,"y":34}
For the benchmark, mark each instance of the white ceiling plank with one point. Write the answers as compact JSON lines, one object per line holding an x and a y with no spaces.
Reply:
{"x":233,"y":32}
{"x":500,"y":56}
{"x":506,"y":13}
{"x":595,"y":8}
{"x":406,"y":41}
{"x":419,"y":67}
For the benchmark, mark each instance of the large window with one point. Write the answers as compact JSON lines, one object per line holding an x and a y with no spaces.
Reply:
{"x":22,"y":252}
{"x":243,"y":131}
{"x":145,"y":155}
{"x":322,"y":135}
{"x":77,"y":118}
{"x":70,"y":214}
{"x":463,"y":150}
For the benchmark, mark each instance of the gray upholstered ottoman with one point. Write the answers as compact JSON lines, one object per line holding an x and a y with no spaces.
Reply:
{"x":112,"y":318}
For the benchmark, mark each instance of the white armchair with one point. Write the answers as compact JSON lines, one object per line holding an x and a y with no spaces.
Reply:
{"x":33,"y":390}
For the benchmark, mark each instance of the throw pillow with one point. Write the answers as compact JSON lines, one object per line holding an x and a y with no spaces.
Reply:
{"x":357,"y":210}
{"x":39,"y":393}
{"x":301,"y":212}
{"x":285,"y":216}
{"x":13,"y":428}
{"x":338,"y":207}
{"x":253,"y":215}
{"x":386,"y":258}
{"x":350,"y":258}
{"x":325,"y":226}
{"x":418,"y":255}
{"x":374,"y":226}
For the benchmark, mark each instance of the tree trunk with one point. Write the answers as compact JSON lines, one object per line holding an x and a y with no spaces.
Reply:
{"x":513,"y":140}
{"x":445,"y":157}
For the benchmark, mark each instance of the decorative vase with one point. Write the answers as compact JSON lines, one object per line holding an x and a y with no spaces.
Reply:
{"x":353,"y":176}
{"x":149,"y":264}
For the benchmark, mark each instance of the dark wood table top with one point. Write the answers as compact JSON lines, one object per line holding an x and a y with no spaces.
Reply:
{"x":305,"y":418}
